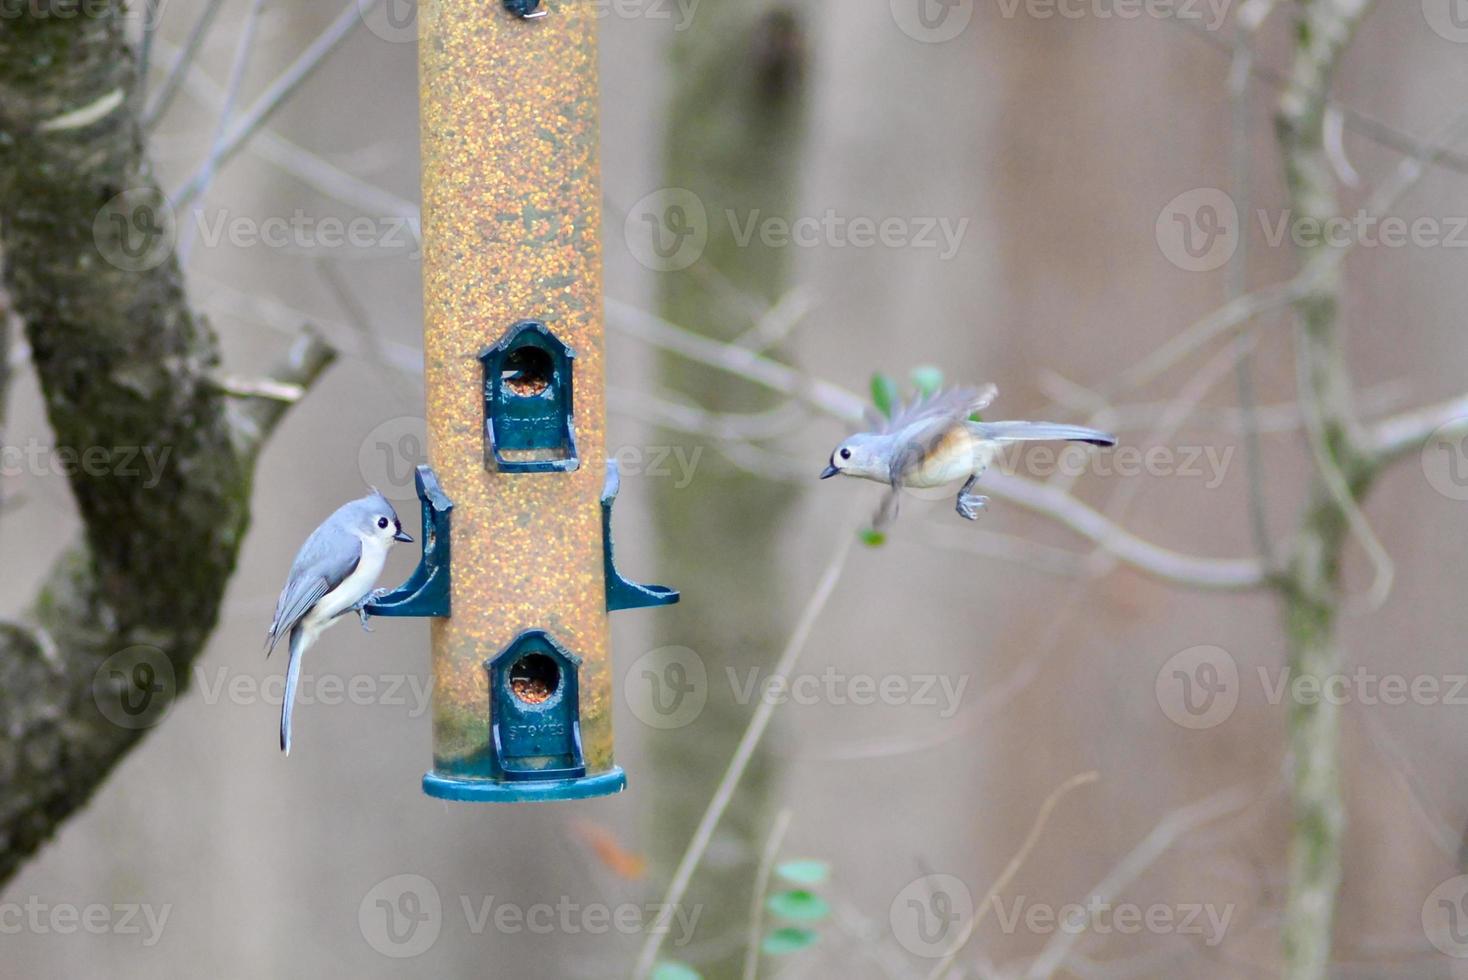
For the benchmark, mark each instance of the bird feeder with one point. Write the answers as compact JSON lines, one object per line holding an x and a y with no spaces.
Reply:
{"x":517,"y":572}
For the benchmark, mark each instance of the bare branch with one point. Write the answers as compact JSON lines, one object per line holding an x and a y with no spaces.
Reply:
{"x":243,"y":48}
{"x":1235,"y":575}
{"x":1051,"y":502}
{"x":1172,"y":828}
{"x":310,"y":168}
{"x":1393,"y":438}
{"x":761,"y":885}
{"x":1413,"y":147}
{"x":758,"y":723}
{"x":181,"y":64}
{"x":1012,"y":868}
{"x":275,"y":96}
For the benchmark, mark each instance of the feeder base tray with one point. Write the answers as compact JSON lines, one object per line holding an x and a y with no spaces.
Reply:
{"x":606,"y":783}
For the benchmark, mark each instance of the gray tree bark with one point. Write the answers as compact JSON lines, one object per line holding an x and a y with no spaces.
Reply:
{"x":126,"y":369}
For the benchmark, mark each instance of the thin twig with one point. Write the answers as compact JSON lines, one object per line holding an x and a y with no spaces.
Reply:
{"x":1012,"y":868}
{"x":306,"y":166}
{"x":1228,"y":575}
{"x":1168,"y":832}
{"x":243,"y":48}
{"x":277,"y":95}
{"x":181,"y":65}
{"x":758,"y":722}
{"x":145,"y":49}
{"x":267,"y":388}
{"x":837,"y":402}
{"x":1228,"y":318}
{"x":778,"y":321}
{"x":761,"y":885}
{"x":1240,"y":91}
{"x":1368,"y":126}
{"x":1395,"y":437}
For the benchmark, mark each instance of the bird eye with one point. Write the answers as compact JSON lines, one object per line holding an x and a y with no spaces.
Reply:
{"x":382,"y":522}
{"x":846,"y":454}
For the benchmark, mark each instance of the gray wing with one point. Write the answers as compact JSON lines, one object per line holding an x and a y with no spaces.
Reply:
{"x":918,"y":426}
{"x":940,"y":411}
{"x":329,"y":555}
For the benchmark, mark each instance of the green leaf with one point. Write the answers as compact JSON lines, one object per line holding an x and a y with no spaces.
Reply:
{"x":804,"y":872}
{"x":789,"y":940}
{"x":873,"y":538}
{"x":675,"y":971}
{"x":799,"y":904}
{"x":928,"y":380}
{"x":884,"y":393}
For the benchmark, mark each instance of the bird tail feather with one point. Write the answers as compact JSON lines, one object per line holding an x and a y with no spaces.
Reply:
{"x":1042,"y":432}
{"x":292,"y":679}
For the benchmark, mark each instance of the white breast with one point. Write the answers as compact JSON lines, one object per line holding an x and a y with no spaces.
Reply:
{"x":353,"y":587}
{"x":960,"y":455}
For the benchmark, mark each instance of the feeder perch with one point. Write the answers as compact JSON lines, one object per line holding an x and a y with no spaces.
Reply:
{"x":427,"y":592}
{"x":520,"y":584}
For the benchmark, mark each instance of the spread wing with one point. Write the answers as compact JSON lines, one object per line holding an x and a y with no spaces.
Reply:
{"x":954,"y":403}
{"x":919,"y":426}
{"x":329,"y":555}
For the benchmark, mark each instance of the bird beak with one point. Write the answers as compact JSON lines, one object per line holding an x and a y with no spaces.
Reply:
{"x":404,"y":537}
{"x":829,"y":472}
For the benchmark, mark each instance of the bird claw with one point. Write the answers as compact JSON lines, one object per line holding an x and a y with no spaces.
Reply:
{"x":360,"y":608}
{"x":970,"y":504}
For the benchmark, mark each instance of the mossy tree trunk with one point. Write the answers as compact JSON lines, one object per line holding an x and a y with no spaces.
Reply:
{"x":734,"y":140}
{"x":1312,"y":589}
{"x":126,"y":369}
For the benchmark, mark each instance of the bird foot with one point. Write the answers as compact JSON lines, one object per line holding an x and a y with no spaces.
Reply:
{"x":360,"y":608}
{"x":969,"y":505}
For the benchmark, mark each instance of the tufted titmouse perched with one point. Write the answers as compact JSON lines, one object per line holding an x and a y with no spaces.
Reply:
{"x":933,"y":441}
{"x":334,"y":573}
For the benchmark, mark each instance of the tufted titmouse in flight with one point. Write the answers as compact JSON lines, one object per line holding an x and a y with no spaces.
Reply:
{"x":334,"y":573}
{"x":934,"y":441}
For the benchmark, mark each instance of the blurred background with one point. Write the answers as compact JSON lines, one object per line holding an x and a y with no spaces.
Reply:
{"x":1025,"y":163}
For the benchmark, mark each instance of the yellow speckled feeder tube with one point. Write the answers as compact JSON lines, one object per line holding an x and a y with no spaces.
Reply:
{"x":514,"y":357}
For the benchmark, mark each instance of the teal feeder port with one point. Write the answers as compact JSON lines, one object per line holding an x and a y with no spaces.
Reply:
{"x":528,"y":399}
{"x":535,"y":711}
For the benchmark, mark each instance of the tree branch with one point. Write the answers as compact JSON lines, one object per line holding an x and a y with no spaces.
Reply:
{"x":127,"y":373}
{"x":838,"y":403}
{"x":1313,"y":592}
{"x":1391,"y":439}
